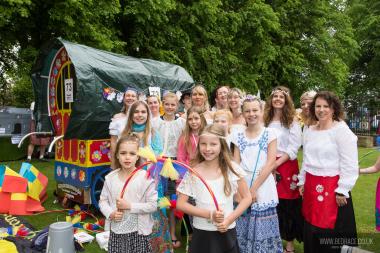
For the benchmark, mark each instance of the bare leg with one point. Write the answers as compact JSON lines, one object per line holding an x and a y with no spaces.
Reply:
{"x":42,"y":151}
{"x":289,"y":246}
{"x":175,"y":241}
{"x":30,"y":151}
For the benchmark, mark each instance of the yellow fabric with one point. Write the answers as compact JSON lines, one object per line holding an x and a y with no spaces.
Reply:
{"x":147,"y":153}
{"x":35,"y":189}
{"x":19,"y":196}
{"x":7,"y":247}
{"x":34,"y":171}
{"x":76,"y":219}
{"x":11,"y":172}
{"x":168,"y":170}
{"x":163,"y":203}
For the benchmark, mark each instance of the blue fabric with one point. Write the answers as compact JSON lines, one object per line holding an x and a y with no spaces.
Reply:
{"x":156,"y":143}
{"x":2,"y":172}
{"x":138,"y":128}
{"x":258,"y":232}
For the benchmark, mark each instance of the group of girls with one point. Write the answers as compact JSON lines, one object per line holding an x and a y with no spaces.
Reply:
{"x":246,"y":153}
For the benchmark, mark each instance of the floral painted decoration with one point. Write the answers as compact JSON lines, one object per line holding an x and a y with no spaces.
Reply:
{"x":96,"y":156}
{"x":111,"y":94}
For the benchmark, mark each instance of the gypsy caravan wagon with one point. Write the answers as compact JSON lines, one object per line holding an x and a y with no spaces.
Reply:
{"x":77,"y":91}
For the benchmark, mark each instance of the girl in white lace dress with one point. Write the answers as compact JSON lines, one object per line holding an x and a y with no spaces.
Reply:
{"x":214,"y":230}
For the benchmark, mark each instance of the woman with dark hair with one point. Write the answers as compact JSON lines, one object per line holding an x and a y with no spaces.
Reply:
{"x":280,"y":115}
{"x":219,"y":98}
{"x":329,"y":172}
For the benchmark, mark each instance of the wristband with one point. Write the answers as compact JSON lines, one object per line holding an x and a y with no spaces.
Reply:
{"x":339,"y":194}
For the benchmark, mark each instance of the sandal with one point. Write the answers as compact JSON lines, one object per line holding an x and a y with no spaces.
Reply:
{"x":176,"y":243}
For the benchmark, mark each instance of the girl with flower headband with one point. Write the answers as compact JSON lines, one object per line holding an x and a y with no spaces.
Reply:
{"x":258,"y":229}
{"x":214,"y":230}
{"x":280,"y":115}
{"x":199,"y":98}
{"x":131,"y":216}
{"x":118,"y":121}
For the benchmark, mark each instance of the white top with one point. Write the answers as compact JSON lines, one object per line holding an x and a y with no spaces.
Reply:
{"x":234,"y":128}
{"x":329,"y":153}
{"x":289,"y":140}
{"x":117,"y":125}
{"x":142,"y":196}
{"x":209,"y":121}
{"x":170,"y":131}
{"x":192,"y":186}
{"x":249,"y":154}
{"x":237,"y":127}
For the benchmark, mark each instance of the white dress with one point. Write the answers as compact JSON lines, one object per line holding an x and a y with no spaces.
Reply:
{"x":249,"y":154}
{"x":170,"y":131}
{"x":192,"y":186}
{"x":289,"y":140}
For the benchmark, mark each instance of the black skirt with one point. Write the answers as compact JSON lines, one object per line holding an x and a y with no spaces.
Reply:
{"x":129,"y":243}
{"x":290,"y":219}
{"x":214,"y":242}
{"x":331,"y":240}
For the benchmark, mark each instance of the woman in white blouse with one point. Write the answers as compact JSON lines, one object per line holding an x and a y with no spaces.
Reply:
{"x":119,"y":120}
{"x":280,"y":115}
{"x":329,"y":172}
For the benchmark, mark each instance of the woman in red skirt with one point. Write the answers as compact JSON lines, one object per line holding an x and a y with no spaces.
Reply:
{"x":280,"y":115}
{"x":329,"y":172}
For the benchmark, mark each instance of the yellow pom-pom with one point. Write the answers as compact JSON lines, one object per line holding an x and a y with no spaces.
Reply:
{"x":163,"y":203}
{"x":168,"y":170}
{"x":147,"y":153}
{"x":76,"y":219}
{"x":68,"y":219}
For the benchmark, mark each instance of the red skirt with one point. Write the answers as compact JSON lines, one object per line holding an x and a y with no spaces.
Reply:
{"x":287,"y":186}
{"x":319,"y":206}
{"x":38,"y":140}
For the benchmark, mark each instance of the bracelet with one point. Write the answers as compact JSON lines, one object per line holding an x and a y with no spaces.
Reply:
{"x":339,"y":194}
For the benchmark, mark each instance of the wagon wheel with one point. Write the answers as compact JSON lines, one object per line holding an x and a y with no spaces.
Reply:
{"x":97,"y":185}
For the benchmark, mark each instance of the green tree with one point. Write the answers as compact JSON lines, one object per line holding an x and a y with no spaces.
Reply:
{"x":26,"y":25}
{"x":245,"y":43}
{"x":363,"y":89}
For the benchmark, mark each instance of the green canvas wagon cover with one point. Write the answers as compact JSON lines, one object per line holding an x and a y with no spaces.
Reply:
{"x":93,"y":73}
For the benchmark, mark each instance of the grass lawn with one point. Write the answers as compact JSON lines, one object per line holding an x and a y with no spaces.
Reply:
{"x":363,"y":197}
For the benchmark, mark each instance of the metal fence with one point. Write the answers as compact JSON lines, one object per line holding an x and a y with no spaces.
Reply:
{"x":364,"y":120}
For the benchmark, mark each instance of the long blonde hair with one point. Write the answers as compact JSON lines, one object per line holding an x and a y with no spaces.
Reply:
{"x":186,"y":134}
{"x":128,"y":128}
{"x":224,"y":159}
{"x":201,"y":89}
{"x":227,"y":114}
{"x":306,"y":119}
